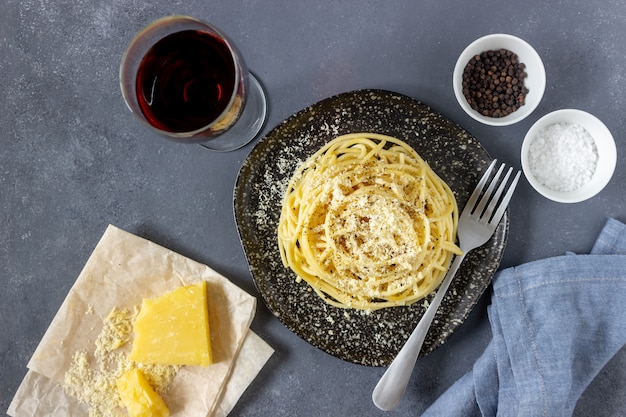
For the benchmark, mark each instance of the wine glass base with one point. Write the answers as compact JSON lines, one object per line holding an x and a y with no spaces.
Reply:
{"x":249,"y":123}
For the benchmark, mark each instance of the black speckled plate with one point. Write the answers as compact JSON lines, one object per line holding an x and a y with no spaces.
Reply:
{"x":366,"y":338}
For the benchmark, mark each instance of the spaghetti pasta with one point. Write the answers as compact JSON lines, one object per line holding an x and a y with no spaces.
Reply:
{"x":367,"y":223}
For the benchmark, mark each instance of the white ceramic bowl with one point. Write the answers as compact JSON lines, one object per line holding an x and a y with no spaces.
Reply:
{"x":535,"y":81}
{"x":606,"y":150}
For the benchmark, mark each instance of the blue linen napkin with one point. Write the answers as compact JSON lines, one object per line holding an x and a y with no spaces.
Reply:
{"x":555,"y":324}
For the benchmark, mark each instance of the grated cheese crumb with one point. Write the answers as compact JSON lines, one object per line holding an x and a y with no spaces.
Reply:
{"x":91,"y":379}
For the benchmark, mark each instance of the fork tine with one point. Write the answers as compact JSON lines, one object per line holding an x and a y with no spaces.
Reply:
{"x":487,"y":194}
{"x":469,"y":206}
{"x":505,"y":201}
{"x":496,"y":197}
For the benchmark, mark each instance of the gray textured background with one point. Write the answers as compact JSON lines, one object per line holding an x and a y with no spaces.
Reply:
{"x":73,"y":159}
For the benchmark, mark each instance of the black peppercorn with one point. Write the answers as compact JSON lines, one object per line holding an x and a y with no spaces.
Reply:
{"x":493,"y":83}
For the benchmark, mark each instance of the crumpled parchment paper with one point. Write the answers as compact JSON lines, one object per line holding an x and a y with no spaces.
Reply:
{"x":122,"y":270}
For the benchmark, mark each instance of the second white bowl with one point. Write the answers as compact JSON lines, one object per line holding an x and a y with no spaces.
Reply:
{"x":605,"y":148}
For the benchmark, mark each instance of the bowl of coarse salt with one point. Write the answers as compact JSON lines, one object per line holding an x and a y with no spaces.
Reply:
{"x":568,"y":156}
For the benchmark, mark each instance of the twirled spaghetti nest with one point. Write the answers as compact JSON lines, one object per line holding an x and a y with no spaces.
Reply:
{"x":367,"y":223}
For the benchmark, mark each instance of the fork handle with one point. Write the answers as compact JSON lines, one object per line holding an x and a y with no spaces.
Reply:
{"x":390,"y":389}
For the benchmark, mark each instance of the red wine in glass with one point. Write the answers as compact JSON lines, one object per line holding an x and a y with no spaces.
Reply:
{"x":187,"y":81}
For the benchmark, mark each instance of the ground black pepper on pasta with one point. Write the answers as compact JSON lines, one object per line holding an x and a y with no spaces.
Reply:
{"x":493,"y":83}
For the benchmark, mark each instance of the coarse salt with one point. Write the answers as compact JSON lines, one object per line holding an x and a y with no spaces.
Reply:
{"x":563,"y":156}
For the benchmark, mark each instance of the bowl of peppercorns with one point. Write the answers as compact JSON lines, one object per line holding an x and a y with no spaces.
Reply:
{"x":499,"y":79}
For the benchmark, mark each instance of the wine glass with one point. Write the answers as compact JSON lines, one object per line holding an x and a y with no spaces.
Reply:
{"x":186,"y":80}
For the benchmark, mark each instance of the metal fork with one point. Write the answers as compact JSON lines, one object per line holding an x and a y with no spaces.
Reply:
{"x":477,"y":223}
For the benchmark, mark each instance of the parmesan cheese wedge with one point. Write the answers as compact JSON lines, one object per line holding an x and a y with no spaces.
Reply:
{"x":138,"y":396}
{"x":174,"y":329}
